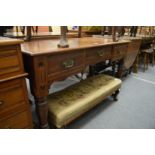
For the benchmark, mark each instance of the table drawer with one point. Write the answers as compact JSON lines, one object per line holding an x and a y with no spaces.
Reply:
{"x":12,"y":95}
{"x":18,"y":121}
{"x":65,"y":63}
{"x":98,"y":54}
{"x":10,"y":62}
{"x":119,"y":51}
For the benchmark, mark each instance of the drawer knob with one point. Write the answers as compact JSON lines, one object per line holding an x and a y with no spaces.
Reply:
{"x":1,"y":102}
{"x":68,"y":63}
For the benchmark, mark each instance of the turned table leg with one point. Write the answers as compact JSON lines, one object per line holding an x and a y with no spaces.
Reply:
{"x":120,"y":68}
{"x":113,"y":68}
{"x":136,"y":64}
{"x":42,"y":112}
{"x":91,"y":71}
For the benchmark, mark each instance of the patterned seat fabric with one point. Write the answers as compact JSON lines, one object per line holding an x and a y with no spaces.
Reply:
{"x":70,"y":103}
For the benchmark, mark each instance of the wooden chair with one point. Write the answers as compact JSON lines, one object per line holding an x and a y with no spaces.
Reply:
{"x":148,"y":54}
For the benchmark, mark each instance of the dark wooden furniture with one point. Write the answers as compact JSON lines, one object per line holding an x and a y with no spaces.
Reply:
{"x":46,"y":63}
{"x":14,"y":105}
{"x":146,"y":50}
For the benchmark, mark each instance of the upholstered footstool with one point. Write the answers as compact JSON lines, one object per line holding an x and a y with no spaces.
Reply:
{"x":70,"y":103}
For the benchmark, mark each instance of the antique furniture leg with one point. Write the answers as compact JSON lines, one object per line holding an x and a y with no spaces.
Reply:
{"x":39,"y":86}
{"x":113,"y":68}
{"x":41,"y":106}
{"x":136,"y":64}
{"x":120,"y":68}
{"x":153,"y":58}
{"x":42,"y":111}
{"x":145,"y":61}
{"x":130,"y":70}
{"x":115,"y":95}
{"x":91,"y":70}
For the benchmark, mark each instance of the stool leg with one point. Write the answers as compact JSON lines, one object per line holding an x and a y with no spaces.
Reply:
{"x":153,"y":59}
{"x":115,"y":95}
{"x":144,"y":61}
{"x":147,"y":60}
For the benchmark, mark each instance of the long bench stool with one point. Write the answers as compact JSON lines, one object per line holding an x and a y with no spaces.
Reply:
{"x":68,"y":104}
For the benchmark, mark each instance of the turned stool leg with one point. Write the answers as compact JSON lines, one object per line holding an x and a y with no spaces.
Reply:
{"x":115,"y":95}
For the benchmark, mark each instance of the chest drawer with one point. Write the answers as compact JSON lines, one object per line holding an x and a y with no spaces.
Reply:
{"x":12,"y":96}
{"x":18,"y":121}
{"x":10,"y":61}
{"x":65,"y":64}
{"x":119,"y":51}
{"x":98,"y":54}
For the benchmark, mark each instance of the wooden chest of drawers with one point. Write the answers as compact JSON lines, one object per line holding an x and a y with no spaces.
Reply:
{"x":14,"y":106}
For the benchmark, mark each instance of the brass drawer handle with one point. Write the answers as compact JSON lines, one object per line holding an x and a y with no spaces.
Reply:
{"x":68,"y":63}
{"x":1,"y":102}
{"x":100,"y":53}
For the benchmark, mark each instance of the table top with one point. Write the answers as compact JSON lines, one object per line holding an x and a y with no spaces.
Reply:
{"x":50,"y":46}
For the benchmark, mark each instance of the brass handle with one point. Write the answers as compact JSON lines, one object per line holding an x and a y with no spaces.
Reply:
{"x":101,"y":53}
{"x":1,"y":102}
{"x":68,"y":63}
